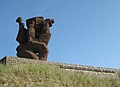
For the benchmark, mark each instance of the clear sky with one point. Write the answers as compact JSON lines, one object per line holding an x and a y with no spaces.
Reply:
{"x":86,"y":32}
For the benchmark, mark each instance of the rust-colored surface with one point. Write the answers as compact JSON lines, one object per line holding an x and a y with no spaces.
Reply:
{"x":33,"y":41}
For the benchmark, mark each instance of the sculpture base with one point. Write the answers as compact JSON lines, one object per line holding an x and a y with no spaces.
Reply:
{"x":98,"y":71}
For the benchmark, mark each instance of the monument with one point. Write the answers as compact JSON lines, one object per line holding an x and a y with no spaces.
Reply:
{"x":33,"y":41}
{"x":33,"y":47}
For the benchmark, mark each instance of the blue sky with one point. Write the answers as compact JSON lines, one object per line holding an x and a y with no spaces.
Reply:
{"x":86,"y":32}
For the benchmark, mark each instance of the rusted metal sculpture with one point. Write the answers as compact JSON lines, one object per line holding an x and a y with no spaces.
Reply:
{"x":34,"y":40}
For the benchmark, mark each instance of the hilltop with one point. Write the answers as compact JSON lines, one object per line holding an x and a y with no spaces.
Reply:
{"x":49,"y":75}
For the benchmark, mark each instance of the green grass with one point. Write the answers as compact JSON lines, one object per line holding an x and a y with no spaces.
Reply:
{"x":49,"y":76}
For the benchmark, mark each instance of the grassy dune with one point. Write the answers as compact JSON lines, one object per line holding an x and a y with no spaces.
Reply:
{"x":49,"y":76}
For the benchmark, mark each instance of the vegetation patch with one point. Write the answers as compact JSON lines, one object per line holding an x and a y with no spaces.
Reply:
{"x":35,"y":75}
